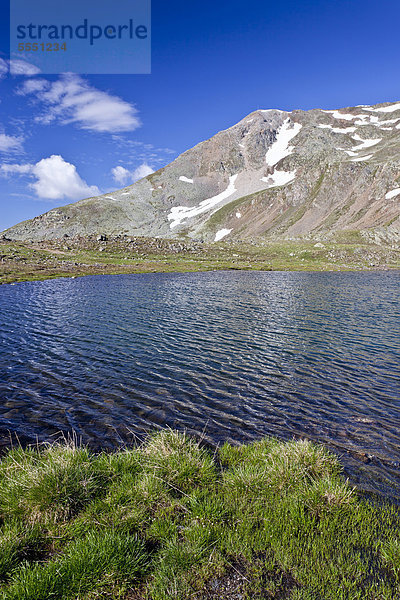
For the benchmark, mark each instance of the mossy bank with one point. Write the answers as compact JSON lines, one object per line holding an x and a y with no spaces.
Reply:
{"x":168,"y":519}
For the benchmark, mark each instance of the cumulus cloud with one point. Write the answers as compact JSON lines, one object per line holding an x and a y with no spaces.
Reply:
{"x":71,"y":99}
{"x":56,"y":179}
{"x":142,"y":171}
{"x":123,"y":176}
{"x":10,"y":143}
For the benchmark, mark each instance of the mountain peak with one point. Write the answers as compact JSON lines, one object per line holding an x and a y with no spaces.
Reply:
{"x":274,"y":173}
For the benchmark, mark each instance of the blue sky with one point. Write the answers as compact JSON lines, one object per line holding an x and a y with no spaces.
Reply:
{"x":62,"y":138}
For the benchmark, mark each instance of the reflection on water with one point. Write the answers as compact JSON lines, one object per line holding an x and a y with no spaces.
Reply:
{"x":231,"y":355}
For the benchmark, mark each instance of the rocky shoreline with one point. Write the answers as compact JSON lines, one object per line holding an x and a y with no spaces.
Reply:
{"x":101,"y":254}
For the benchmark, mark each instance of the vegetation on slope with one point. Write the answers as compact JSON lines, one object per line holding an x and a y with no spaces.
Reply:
{"x":170,"y":520}
{"x":87,"y":256}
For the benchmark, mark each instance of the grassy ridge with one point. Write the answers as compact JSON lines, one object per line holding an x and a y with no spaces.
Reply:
{"x":169,"y":520}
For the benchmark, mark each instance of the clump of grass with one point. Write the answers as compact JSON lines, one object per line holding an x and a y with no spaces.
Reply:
{"x":298,"y":470}
{"x":169,"y":520}
{"x":391,"y":554}
{"x":49,"y":485}
{"x":179,"y":461}
{"x":17,"y":544}
{"x":91,"y":562}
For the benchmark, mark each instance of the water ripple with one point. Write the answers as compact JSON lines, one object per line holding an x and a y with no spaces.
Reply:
{"x":233,"y":356}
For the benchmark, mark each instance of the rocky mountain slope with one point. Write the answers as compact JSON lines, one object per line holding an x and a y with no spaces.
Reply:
{"x":275,"y":174}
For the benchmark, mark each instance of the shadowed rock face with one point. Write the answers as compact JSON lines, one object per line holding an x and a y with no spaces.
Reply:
{"x":274,"y":174}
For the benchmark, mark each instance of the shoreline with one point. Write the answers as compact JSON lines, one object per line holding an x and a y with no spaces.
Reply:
{"x":39,"y":261}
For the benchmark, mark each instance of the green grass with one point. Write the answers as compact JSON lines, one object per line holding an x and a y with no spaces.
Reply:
{"x":170,"y":520}
{"x":47,"y":260}
{"x":101,"y":559}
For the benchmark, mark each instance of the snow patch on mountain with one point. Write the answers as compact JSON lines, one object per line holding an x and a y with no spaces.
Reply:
{"x":363,"y":120}
{"x":362,"y":158}
{"x":186,"y":179}
{"x":279,"y":178}
{"x":338,"y":129}
{"x":388,"y":109}
{"x":280,"y":148}
{"x":181,"y":213}
{"x":342,"y":116}
{"x":221,"y":234}
{"x":392,"y":194}
{"x":388,"y":122}
{"x":364,"y":143}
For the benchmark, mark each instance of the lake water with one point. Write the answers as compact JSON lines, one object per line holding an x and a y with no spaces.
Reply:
{"x":225,"y":355}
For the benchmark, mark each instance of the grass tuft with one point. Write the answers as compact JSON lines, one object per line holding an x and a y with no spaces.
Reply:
{"x":168,"y":520}
{"x":179,"y":462}
{"x":95,"y":560}
{"x":48,"y":486}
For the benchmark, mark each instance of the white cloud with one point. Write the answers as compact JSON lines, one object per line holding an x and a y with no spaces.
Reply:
{"x":21,"y":67}
{"x":72,"y":100}
{"x":122,"y":176}
{"x":3,"y":68}
{"x":142,"y":171}
{"x":56,"y":179}
{"x":32,"y":85}
{"x":10,"y":143}
{"x":17,"y":67}
{"x":9,"y":169}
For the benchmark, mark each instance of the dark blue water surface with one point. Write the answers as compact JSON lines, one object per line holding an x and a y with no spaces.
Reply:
{"x":227,"y":355}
